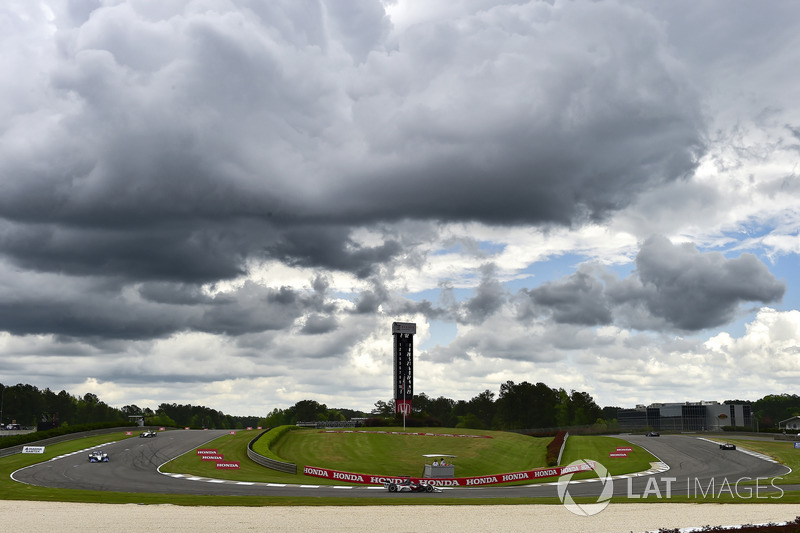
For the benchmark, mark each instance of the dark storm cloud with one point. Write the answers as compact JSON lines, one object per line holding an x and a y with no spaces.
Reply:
{"x":180,"y":251}
{"x":318,"y":324}
{"x":316,"y":246}
{"x":489,"y":297}
{"x":92,"y":309}
{"x":580,"y":299}
{"x":176,"y":144}
{"x":370,"y":300}
{"x":694,"y":290}
{"x":673,"y":287}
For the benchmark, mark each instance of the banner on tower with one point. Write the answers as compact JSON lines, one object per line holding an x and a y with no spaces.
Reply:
{"x":403,"y":333}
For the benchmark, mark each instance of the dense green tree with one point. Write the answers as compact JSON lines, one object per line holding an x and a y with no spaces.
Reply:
{"x":384,"y":409}
{"x":483,"y":407}
{"x":773,"y":408}
{"x":525,"y":405}
{"x":584,"y":411}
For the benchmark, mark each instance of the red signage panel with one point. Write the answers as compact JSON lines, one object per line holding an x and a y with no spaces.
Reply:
{"x":369,"y":479}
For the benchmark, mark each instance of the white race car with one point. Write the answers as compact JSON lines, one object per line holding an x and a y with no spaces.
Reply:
{"x":98,"y":457}
{"x":147,"y":434}
{"x":406,"y":485}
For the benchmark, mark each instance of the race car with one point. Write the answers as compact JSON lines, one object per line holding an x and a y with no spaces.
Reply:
{"x":727,"y":446}
{"x":147,"y":434}
{"x":406,"y":485}
{"x":98,"y":457}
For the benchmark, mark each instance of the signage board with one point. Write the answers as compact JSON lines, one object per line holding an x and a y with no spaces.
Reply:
{"x":33,"y":449}
{"x":403,"y":333}
{"x":369,"y":479}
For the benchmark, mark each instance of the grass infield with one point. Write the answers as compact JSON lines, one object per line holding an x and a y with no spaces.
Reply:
{"x":405,"y":449}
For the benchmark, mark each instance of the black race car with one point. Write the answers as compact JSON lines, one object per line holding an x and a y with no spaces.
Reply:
{"x":148,"y":434}
{"x":406,"y":485}
{"x":727,"y":446}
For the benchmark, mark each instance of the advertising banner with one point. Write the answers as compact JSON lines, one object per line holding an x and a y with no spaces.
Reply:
{"x":33,"y":449}
{"x":206,"y":451}
{"x":231,"y":465}
{"x":370,"y":479}
{"x":403,"y":355}
{"x":216,"y":457}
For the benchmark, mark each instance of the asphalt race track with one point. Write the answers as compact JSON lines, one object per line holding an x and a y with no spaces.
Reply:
{"x":696,"y":467}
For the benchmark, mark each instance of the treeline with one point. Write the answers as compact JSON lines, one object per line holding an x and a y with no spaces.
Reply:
{"x":197,"y":416}
{"x":31,"y":407}
{"x":518,"y":406}
{"x":308,"y":411}
{"x":773,"y":408}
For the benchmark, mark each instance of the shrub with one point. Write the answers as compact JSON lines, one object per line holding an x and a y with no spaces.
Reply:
{"x":554,"y":448}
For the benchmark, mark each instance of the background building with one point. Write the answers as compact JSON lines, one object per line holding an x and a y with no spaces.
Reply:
{"x":688,"y":416}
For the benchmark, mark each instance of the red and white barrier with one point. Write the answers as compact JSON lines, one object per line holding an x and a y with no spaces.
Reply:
{"x":369,"y":479}
{"x":407,"y":433}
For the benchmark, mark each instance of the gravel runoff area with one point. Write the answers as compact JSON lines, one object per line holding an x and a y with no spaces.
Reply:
{"x":31,"y":516}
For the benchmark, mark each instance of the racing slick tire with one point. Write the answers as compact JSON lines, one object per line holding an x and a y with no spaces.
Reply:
{"x":428,"y":488}
{"x":392,"y":488}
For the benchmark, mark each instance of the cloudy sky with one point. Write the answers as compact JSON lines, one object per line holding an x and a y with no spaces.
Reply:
{"x":228,"y":202}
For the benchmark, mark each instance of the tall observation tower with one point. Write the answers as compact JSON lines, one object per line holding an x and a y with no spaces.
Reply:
{"x":403,"y":333}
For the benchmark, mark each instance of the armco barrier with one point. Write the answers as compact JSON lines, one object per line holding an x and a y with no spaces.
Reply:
{"x":5,"y":452}
{"x":280,"y":466}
